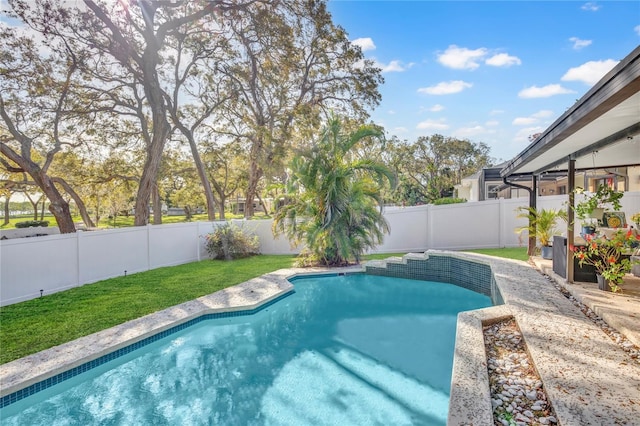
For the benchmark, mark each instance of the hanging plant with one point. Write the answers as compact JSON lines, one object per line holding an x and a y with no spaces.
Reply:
{"x":604,"y":197}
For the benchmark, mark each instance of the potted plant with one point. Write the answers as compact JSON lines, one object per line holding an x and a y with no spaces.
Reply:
{"x":605,"y":254}
{"x":594,"y":206}
{"x":542,"y":224}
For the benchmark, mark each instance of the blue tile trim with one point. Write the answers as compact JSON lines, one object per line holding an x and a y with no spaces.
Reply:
{"x":331,"y":274}
{"x":51,"y":381}
{"x":464,"y":273}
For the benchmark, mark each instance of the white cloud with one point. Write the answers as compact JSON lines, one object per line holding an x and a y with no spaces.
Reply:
{"x":400,"y":130}
{"x":436,"y":108}
{"x":365,"y":43}
{"x":496,"y":112}
{"x":492,"y":123}
{"x":503,"y":60}
{"x":461,"y":58}
{"x":590,"y":6}
{"x":637,"y":29}
{"x":393,"y":66}
{"x":543,"y":92}
{"x":533,"y":118}
{"x":578,"y":43}
{"x":446,"y":88}
{"x":544,"y":113}
{"x":466,"y":132}
{"x":590,"y":72}
{"x":524,"y":121}
{"x":433,"y":125}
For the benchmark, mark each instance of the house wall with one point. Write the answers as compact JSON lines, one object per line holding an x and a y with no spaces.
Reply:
{"x":58,"y":262}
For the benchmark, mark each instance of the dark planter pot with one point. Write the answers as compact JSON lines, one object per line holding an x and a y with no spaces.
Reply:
{"x":588,"y":230}
{"x":602,"y":283}
{"x":546,"y":252}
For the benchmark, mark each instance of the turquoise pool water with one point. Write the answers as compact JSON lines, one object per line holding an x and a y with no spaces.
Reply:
{"x":341,"y":350}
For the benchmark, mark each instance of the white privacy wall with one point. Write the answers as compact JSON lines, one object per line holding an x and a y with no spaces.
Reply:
{"x":58,"y":262}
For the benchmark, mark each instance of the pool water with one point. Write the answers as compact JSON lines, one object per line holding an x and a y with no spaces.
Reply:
{"x":347,"y":350}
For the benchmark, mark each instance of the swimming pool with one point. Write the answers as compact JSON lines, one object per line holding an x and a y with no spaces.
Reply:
{"x":354,"y":349}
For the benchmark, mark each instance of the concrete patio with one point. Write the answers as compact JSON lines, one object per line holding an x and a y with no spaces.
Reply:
{"x":588,"y":378}
{"x":619,"y":310}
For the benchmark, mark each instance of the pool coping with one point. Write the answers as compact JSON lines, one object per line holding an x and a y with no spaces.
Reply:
{"x":585,"y":390}
{"x":587,"y":377}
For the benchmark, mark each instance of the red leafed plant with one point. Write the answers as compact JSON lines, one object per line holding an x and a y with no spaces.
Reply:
{"x":605,"y":254}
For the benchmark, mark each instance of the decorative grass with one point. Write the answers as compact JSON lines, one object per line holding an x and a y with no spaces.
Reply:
{"x":39,"y":324}
{"x":126,"y":221}
{"x":516,"y":253}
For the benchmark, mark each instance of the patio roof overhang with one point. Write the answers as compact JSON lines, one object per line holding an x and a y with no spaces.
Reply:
{"x":602,"y":129}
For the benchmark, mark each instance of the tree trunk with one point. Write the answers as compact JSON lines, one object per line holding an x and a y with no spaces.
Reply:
{"x":44,"y":201}
{"x":222,"y":200}
{"x":188,"y":215}
{"x":255,"y":173}
{"x":79,"y":203}
{"x":208,"y":192}
{"x":7,"y":209}
{"x":262,"y":203}
{"x":202,"y":173}
{"x":34,"y":205}
{"x":157,"y":206}
{"x":149,"y":177}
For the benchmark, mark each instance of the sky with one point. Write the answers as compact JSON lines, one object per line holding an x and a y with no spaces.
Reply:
{"x":487,"y":71}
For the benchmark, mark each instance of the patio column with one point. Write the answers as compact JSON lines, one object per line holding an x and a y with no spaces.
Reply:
{"x":533,"y":203}
{"x":571,"y":184}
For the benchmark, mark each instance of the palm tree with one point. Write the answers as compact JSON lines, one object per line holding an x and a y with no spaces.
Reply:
{"x":334,"y":200}
{"x":542,"y":224}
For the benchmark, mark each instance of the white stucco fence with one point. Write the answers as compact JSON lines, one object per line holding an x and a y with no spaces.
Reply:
{"x":58,"y":262}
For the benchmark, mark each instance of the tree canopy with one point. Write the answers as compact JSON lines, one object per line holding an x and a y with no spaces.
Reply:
{"x":112,"y":107}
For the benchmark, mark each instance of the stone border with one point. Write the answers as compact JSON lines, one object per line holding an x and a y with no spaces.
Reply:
{"x":589,"y":380}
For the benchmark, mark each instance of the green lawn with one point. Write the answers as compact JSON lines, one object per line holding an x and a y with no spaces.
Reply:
{"x":39,"y":324}
{"x":517,"y":253}
{"x":125,"y":221}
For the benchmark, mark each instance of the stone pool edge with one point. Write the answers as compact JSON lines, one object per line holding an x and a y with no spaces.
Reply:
{"x":588,"y":379}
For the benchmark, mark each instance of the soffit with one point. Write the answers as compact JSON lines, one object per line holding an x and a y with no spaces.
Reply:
{"x":601,"y":130}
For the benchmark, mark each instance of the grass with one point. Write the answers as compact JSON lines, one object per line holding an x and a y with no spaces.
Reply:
{"x":38,"y":324}
{"x":516,"y":253}
{"x":126,"y":221}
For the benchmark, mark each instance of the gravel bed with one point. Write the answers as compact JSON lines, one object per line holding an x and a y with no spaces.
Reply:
{"x":517,"y":394}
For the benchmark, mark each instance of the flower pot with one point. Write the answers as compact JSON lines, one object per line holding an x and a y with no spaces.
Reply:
{"x":603,"y":284}
{"x":588,"y":230}
{"x":546,"y":252}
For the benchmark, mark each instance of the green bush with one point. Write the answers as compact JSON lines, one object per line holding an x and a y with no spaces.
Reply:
{"x":231,"y":242}
{"x":441,"y":201}
{"x":32,"y":223}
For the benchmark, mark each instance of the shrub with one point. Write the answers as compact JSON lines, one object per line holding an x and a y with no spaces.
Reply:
{"x":32,"y":223}
{"x":448,"y":200}
{"x":231,"y":242}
